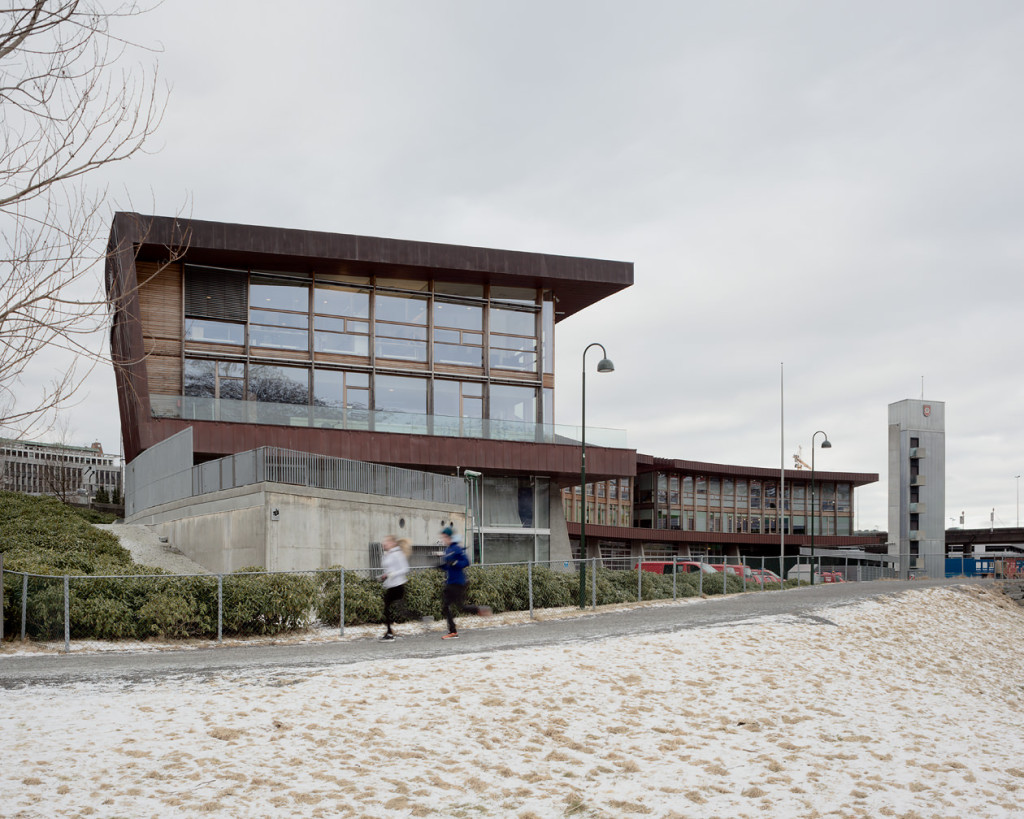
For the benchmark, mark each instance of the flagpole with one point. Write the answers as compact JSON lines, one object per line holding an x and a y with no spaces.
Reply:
{"x":782,"y":473}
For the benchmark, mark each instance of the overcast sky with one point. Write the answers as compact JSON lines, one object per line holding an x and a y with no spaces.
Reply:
{"x":832,"y":186}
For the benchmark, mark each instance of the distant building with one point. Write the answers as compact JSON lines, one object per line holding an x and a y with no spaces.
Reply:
{"x":917,"y":484}
{"x":72,"y":473}
{"x":674,"y":508}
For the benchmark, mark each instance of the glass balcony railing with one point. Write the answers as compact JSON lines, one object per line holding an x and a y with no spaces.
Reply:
{"x":232,"y":411}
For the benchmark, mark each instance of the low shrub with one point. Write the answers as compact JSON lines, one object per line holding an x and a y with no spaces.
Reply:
{"x":268,"y":603}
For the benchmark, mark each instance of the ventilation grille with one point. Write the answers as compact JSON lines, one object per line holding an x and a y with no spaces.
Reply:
{"x":216,"y":293}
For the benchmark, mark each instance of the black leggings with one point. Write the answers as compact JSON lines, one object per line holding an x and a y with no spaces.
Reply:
{"x":394,"y":600}
{"x":454,"y":597}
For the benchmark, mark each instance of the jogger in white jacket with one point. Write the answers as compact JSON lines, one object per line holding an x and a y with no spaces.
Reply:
{"x":394,"y":573}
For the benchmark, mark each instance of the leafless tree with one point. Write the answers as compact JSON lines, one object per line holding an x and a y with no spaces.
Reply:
{"x":71,"y":103}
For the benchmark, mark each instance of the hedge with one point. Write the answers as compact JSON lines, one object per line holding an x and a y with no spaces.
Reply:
{"x":43,"y":537}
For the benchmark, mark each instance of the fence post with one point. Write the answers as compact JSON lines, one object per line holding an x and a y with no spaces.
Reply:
{"x":67,"y":617}
{"x":529,"y":583}
{"x":220,"y":608}
{"x":743,"y":573}
{"x":593,"y":584}
{"x":639,"y":582}
{"x":24,"y":603}
{"x":725,"y":576}
{"x":1,"y":597}
{"x":700,"y":579}
{"x":675,"y":571}
{"x":341,"y":604}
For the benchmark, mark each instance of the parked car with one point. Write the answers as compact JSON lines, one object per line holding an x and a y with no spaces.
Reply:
{"x":737,"y":569}
{"x":680,"y":567}
{"x":763,"y":576}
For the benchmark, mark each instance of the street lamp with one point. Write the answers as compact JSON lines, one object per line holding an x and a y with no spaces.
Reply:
{"x":603,"y":366}
{"x":1018,"y":501}
{"x":826,"y":444}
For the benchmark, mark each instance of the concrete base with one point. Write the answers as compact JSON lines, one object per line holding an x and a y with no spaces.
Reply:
{"x":282,"y":527}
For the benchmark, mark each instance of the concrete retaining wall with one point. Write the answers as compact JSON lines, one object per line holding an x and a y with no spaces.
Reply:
{"x":292,"y":528}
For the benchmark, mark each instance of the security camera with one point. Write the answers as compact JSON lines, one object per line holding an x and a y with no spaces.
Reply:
{"x":469,"y":473}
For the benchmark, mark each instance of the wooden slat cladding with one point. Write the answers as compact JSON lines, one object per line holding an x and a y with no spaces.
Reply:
{"x":164,"y":374}
{"x":163,"y":346}
{"x":160,"y":303}
{"x":160,"y":300}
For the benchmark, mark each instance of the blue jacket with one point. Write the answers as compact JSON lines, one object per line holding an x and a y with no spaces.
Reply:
{"x":454,"y":562}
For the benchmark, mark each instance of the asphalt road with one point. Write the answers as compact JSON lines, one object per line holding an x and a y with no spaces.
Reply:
{"x":142,"y":666}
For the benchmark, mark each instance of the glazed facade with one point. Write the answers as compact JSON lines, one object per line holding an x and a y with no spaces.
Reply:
{"x":430,"y":357}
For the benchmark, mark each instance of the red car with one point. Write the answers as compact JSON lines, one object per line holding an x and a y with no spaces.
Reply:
{"x":681,"y":567}
{"x":737,"y":569}
{"x":763,"y":576}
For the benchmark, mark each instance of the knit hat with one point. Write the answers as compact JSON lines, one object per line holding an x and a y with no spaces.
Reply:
{"x":448,"y":531}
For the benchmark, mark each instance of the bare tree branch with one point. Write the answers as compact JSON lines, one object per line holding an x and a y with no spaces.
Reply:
{"x":70,"y":104}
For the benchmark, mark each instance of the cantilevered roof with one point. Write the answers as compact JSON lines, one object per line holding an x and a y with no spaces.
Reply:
{"x":649,"y":463}
{"x":576,"y":282}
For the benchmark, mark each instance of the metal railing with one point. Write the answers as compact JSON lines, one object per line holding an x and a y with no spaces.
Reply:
{"x":234,"y":411}
{"x":276,"y":465}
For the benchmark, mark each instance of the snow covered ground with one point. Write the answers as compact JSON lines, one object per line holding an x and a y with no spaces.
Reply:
{"x":905,"y":706}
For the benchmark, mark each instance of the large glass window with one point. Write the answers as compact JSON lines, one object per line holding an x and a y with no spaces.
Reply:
{"x":458,"y":334}
{"x":548,"y":335}
{"x":510,"y":403}
{"x":341,"y":324}
{"x":343,"y":398}
{"x":398,"y":393}
{"x":332,"y":300}
{"x":400,"y":328}
{"x":341,"y":390}
{"x":214,"y":332}
{"x":459,"y":399}
{"x":843,"y":497}
{"x":516,"y":295}
{"x":513,"y":340}
{"x":214,"y":379}
{"x":273,"y":384}
{"x":278,"y":315}
{"x":509,"y":502}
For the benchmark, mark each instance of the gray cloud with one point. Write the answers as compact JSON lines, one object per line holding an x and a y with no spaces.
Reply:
{"x":836,"y":186}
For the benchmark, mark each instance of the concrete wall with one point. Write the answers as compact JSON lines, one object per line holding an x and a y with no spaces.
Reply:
{"x":561,"y":549}
{"x":906,"y":420}
{"x":292,"y":528}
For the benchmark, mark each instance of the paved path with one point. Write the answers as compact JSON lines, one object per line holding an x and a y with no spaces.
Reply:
{"x":59,"y":669}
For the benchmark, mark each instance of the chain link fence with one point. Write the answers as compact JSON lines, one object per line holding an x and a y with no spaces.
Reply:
{"x":209,"y":606}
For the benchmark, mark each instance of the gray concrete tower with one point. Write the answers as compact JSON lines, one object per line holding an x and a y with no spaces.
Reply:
{"x":917,"y":485}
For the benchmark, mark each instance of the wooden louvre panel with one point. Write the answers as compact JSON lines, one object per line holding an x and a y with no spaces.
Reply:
{"x":216,"y":293}
{"x":164,"y":374}
{"x":160,"y":300}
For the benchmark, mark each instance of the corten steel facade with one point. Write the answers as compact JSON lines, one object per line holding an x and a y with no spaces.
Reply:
{"x":419,"y":355}
{"x":688,"y":508}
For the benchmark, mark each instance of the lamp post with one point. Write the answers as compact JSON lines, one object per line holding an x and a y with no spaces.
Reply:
{"x":1018,"y":501}
{"x":826,"y":444}
{"x":603,"y":366}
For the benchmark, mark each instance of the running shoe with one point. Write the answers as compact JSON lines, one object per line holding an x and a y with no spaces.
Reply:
{"x":451,"y":635}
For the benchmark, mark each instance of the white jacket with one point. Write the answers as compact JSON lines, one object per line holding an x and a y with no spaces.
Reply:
{"x":394,"y":568}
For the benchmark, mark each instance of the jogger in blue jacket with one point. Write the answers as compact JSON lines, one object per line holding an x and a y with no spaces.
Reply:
{"x":454,"y":562}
